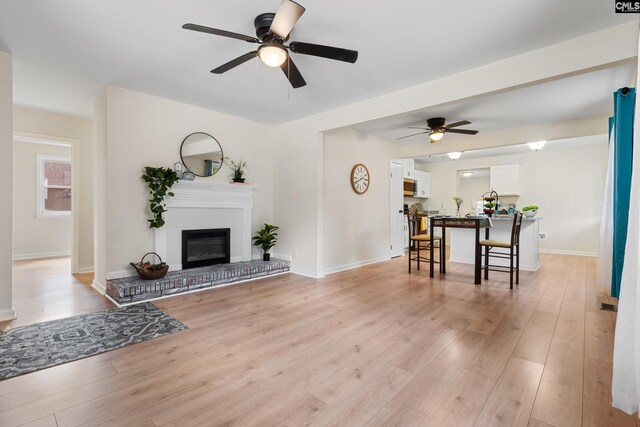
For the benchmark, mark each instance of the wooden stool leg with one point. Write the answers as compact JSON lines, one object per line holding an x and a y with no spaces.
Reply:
{"x":418,"y":252}
{"x":518,"y":264}
{"x":486,"y":263}
{"x":409,"y":256}
{"x":511,"y":267}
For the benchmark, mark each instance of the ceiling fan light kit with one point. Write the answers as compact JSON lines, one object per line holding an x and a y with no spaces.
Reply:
{"x":436,"y":135}
{"x":272,"y":31}
{"x":272,"y":54}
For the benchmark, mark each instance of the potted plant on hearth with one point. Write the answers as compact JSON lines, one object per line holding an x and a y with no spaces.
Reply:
{"x":266,"y":238}
{"x":238,"y":169}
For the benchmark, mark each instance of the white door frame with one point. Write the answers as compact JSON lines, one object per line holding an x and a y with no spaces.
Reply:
{"x":33,"y":138}
{"x":393,"y":212}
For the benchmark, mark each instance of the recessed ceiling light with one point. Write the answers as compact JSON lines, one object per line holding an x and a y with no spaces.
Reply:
{"x":535,"y":146}
{"x":467,"y":173}
{"x":454,"y":155}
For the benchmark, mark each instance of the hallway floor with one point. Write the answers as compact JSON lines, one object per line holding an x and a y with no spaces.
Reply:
{"x":46,"y":290}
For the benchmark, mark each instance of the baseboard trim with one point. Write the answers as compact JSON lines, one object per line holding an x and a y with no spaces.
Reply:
{"x":356,"y":264}
{"x":40,"y":255}
{"x":306,"y":273}
{"x":563,"y":252}
{"x":8,"y":314}
{"x":85,"y":270}
{"x":99,"y":287}
{"x":282,"y":256}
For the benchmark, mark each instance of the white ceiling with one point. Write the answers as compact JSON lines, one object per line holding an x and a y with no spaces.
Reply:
{"x":65,"y":51}
{"x":584,"y":95}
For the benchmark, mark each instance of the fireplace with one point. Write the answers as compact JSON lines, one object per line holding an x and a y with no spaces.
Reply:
{"x":205,"y":247}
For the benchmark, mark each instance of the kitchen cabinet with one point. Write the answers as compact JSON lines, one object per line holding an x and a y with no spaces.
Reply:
{"x":505,"y":180}
{"x":408,"y":168}
{"x":423,"y":184}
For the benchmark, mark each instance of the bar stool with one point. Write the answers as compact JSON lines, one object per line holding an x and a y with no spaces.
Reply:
{"x":419,"y":239}
{"x":513,"y":255}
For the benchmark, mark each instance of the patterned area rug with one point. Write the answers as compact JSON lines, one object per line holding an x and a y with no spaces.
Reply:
{"x":43,"y":345}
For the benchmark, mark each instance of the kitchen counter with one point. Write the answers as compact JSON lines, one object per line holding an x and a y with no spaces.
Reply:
{"x":462,"y":242}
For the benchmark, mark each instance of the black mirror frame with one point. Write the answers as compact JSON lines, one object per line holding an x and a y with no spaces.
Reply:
{"x":217,"y":142}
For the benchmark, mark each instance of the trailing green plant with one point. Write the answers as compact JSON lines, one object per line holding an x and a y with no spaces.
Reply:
{"x":159,"y":181}
{"x":530,"y":208}
{"x":266,"y":237}
{"x":238,"y":169}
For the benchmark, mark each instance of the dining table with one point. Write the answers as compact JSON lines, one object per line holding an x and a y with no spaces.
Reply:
{"x":443,"y":222}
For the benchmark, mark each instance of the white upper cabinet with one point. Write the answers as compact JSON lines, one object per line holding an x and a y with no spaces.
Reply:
{"x":423,"y":184}
{"x":408,"y":167}
{"x":505,"y":180}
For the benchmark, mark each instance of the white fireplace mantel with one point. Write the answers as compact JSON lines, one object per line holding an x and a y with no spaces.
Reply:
{"x":209,"y":195}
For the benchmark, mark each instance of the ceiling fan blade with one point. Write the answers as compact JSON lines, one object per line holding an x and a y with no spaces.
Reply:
{"x":417,"y":127}
{"x":463,"y":131}
{"x":217,"y":32}
{"x":322,"y":51}
{"x":286,"y":17}
{"x":409,"y":136}
{"x":235,"y":62}
{"x":293,"y":74}
{"x":456,"y":124}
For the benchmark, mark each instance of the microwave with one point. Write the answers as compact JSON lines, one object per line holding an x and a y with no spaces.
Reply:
{"x":409,"y":187}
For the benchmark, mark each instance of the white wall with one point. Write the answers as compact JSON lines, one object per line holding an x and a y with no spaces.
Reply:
{"x":356,"y":227}
{"x":6,"y":190}
{"x":35,"y":237}
{"x":567,"y":184}
{"x":30,"y":121}
{"x":471,"y":189}
{"x":144,"y":130}
{"x":100,"y":220}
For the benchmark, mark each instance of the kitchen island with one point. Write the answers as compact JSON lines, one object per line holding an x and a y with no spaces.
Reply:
{"x":462,"y":242}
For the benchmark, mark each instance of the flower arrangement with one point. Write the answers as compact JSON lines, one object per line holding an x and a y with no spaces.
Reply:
{"x":458,"y":201}
{"x":238,"y":169}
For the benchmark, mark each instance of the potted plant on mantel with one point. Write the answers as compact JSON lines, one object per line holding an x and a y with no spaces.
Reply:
{"x":159,"y":181}
{"x":266,"y":238}
{"x":238,"y":169}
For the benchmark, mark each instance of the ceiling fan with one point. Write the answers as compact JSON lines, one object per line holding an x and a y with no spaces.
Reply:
{"x":436,"y":129}
{"x":272,"y":31}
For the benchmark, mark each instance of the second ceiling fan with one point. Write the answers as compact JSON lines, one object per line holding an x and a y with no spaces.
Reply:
{"x":436,"y":128}
{"x":272,"y":31}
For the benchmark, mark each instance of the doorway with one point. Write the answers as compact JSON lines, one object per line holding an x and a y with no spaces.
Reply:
{"x":45,"y":198}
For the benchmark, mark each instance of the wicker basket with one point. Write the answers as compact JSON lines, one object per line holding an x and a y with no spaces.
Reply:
{"x":148,"y":271}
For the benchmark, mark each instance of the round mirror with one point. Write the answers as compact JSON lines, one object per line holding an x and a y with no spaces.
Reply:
{"x":201,"y":154}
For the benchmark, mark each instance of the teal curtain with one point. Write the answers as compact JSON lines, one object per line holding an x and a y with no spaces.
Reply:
{"x":623,"y":113}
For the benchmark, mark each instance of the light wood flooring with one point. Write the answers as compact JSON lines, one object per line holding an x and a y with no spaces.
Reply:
{"x":45,"y":290}
{"x":372,"y":346}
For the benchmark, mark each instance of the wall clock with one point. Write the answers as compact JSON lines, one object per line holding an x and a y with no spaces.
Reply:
{"x":360,"y":178}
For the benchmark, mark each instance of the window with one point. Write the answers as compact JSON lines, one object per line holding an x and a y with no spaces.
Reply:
{"x":53,"y":186}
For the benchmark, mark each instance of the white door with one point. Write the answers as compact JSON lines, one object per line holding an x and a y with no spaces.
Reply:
{"x":396,"y":210}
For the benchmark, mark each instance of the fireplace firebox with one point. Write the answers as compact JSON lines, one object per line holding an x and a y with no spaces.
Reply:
{"x":205,"y":247}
